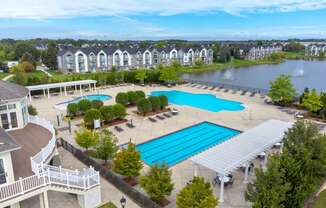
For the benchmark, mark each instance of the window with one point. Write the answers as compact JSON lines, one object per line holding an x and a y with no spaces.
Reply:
{"x":125,"y":59}
{"x":3,"y":107}
{"x":155,"y":57}
{"x":12,"y":106}
{"x":13,"y":118}
{"x":4,"y":120}
{"x":2,"y":172}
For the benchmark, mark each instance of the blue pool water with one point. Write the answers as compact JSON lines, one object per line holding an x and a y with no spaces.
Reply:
{"x":203,"y":101}
{"x":180,"y":145}
{"x":89,"y":97}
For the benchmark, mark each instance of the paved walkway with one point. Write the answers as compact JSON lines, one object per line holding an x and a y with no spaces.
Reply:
{"x":7,"y":77}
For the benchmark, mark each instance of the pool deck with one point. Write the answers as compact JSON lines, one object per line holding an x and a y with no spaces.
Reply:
{"x":256,"y":112}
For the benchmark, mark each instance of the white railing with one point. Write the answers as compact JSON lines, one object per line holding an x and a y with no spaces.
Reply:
{"x":47,"y":175}
{"x":51,"y":176}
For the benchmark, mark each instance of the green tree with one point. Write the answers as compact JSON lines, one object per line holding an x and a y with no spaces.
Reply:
{"x":132,"y":97}
{"x":72,"y":109}
{"x":84,"y":105}
{"x":107,"y":113}
{"x":97,"y":104}
{"x":32,"y":110}
{"x":282,"y":91}
{"x":127,"y":161}
{"x":321,"y":54}
{"x":157,"y":182}
{"x":122,"y":98}
{"x":155,"y":103}
{"x":49,"y":56}
{"x":199,"y":63}
{"x":141,"y":75}
{"x":168,"y":75}
{"x":21,"y":78}
{"x":86,"y":138}
{"x":312,"y":101}
{"x":144,"y":106}
{"x":107,"y":146}
{"x":268,"y":188}
{"x":323,"y":99}
{"x":197,"y":194}
{"x":294,"y":46}
{"x":163,"y":101}
{"x":140,"y":94}
{"x":305,"y":94}
{"x":23,"y":47}
{"x":91,"y":115}
{"x":119,"y":111}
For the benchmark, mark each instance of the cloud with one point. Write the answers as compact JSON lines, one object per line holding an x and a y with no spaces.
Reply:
{"x":51,"y":9}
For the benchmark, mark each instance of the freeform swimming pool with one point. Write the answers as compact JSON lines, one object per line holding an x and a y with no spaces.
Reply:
{"x":203,"y":101}
{"x":180,"y":145}
{"x":100,"y":97}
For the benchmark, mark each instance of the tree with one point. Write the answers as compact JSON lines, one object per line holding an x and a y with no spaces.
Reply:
{"x":21,"y":78}
{"x":199,"y":63}
{"x":321,"y":54}
{"x":282,"y":91}
{"x":86,"y":138}
{"x":323,"y":99}
{"x":107,"y":146}
{"x":268,"y":188}
{"x":23,"y":47}
{"x":84,"y":105}
{"x":107,"y":113}
{"x":144,"y":106}
{"x":140,"y":94}
{"x":72,"y":109}
{"x":141,"y":75}
{"x":163,"y":101}
{"x":119,"y":111}
{"x":168,"y":75}
{"x":32,"y":110}
{"x":27,"y":66}
{"x":127,"y":161}
{"x":155,"y":102}
{"x":157,"y":182}
{"x":91,"y":115}
{"x":132,"y":97}
{"x":312,"y":102}
{"x":304,"y":94}
{"x":97,"y":104}
{"x":197,"y":194}
{"x":294,"y":46}
{"x":49,"y":56}
{"x":121,"y":98}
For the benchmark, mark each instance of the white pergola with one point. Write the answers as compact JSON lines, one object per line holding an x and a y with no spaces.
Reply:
{"x":241,"y":150}
{"x":61,"y":85}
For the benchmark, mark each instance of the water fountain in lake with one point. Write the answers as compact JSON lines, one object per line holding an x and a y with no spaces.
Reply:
{"x":298,"y":73}
{"x":228,"y":75}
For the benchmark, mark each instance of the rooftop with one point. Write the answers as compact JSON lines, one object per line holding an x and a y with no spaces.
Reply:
{"x":7,"y":144}
{"x":9,"y":91}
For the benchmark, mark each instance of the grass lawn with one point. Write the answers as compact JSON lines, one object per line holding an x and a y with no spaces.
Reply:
{"x":321,"y":200}
{"x":108,"y":205}
{"x":3,"y":75}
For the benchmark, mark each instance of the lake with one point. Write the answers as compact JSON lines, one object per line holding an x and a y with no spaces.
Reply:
{"x":311,"y":74}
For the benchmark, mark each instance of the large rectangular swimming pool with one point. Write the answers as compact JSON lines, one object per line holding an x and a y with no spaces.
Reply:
{"x":180,"y":145}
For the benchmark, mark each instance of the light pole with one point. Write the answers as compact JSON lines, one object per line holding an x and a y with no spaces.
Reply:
{"x":123,"y":202}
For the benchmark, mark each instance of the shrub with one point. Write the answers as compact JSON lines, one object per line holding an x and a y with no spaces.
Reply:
{"x":21,"y":78}
{"x":97,"y":104}
{"x":140,"y":94}
{"x":32,"y":110}
{"x":91,"y":115}
{"x":107,"y":113}
{"x":282,"y":91}
{"x":27,"y":66}
{"x":86,"y":138}
{"x":197,"y":194}
{"x":157,"y":182}
{"x":144,"y":106}
{"x":127,"y":161}
{"x":122,"y":98}
{"x":119,"y":111}
{"x":72,"y":109}
{"x":156,"y":103}
{"x":107,"y":146}
{"x":84,"y":105}
{"x":132,"y":97}
{"x":163,"y":101}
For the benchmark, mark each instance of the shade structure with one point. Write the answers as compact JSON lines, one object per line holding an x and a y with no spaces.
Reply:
{"x":233,"y":153}
{"x":60,"y":84}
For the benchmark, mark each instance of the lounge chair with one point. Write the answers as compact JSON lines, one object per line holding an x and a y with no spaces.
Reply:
{"x":205,"y":88}
{"x":160,"y":117}
{"x":166,"y":115}
{"x":174,"y":111}
{"x":253,"y":94}
{"x":118,"y":128}
{"x":213,"y":88}
{"x":152,"y":119}
{"x":226,"y":90}
{"x":244,"y":92}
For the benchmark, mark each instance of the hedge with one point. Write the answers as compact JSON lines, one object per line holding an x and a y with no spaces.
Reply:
{"x":144,"y":106}
{"x":91,"y":115}
{"x":122,"y":98}
{"x":84,"y":105}
{"x":107,"y":113}
{"x":72,"y":109}
{"x":156,"y":103}
{"x":97,"y":104}
{"x":163,"y":101}
{"x":119,"y":111}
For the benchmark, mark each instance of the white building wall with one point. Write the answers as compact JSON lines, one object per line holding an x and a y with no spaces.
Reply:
{"x":7,"y":162}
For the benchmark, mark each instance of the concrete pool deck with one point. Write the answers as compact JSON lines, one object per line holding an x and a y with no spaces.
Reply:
{"x":256,"y":112}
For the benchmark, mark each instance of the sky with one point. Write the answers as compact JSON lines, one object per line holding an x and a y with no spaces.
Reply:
{"x":163,"y":19}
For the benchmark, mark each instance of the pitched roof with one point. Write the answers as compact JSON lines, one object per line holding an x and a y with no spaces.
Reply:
{"x":10,"y":91}
{"x":6,"y":142}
